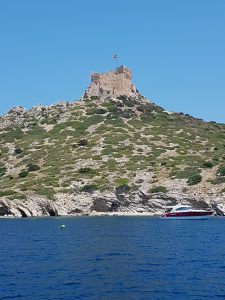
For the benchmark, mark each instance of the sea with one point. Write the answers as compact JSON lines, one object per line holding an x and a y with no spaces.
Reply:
{"x":114,"y":257}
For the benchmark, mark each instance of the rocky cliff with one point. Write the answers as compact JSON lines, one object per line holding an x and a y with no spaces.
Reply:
{"x":111,"y":152}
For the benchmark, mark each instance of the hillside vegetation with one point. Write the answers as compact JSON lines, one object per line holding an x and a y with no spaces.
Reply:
{"x":121,"y":144}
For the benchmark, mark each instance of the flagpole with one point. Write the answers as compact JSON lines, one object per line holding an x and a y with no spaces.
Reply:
{"x":115,"y":58}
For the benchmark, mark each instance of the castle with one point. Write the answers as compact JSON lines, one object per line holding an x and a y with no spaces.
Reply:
{"x":113,"y":83}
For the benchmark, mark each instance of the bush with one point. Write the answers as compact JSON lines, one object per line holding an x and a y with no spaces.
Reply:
{"x":44,"y":191}
{"x":182,"y":174}
{"x":89,"y":188}
{"x":129,"y":103}
{"x":96,"y":157}
{"x":94,"y":97}
{"x":119,"y":104}
{"x":101,"y":111}
{"x":82,"y":142}
{"x":18,"y":151}
{"x":23,"y":174}
{"x":86,"y":170}
{"x":194,"y":179}
{"x":207,"y":164}
{"x":221,"y":171}
{"x":122,"y":97}
{"x":217,"y":180}
{"x":32,"y":168}
{"x":140,"y":108}
{"x":7,"y":193}
{"x":121,"y":181}
{"x":12,"y":135}
{"x":123,"y":188}
{"x":2,"y":171}
{"x":158,"y":189}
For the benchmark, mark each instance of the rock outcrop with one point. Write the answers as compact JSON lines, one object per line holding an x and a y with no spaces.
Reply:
{"x":102,"y":204}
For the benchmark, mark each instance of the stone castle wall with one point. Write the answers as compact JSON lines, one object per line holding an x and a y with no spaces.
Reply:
{"x":112,"y":83}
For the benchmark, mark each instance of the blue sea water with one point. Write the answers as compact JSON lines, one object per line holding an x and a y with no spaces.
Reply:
{"x":112,"y":258}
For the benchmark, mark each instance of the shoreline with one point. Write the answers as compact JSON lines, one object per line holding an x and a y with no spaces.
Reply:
{"x":92,"y":214}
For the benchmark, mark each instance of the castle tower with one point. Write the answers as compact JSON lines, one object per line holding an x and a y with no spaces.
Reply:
{"x":112,"y":84}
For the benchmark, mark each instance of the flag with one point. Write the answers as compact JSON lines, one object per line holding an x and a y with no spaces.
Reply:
{"x":115,"y":56}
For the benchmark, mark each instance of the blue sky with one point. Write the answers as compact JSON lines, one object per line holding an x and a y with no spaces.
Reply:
{"x":175,"y":48}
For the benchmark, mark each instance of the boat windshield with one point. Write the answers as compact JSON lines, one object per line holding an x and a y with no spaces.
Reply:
{"x":182,"y":208}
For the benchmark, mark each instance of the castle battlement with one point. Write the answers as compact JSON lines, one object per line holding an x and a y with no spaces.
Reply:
{"x":113,"y":83}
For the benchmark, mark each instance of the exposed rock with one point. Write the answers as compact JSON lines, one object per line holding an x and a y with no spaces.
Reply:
{"x":4,"y":209}
{"x":84,"y":204}
{"x":100,"y":204}
{"x":18,"y":110}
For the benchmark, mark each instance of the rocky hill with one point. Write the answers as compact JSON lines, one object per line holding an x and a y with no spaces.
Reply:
{"x":113,"y":151}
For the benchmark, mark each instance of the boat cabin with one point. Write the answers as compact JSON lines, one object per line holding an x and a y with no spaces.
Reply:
{"x":181,"y":208}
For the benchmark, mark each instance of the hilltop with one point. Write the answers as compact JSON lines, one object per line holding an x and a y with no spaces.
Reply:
{"x":112,"y":151}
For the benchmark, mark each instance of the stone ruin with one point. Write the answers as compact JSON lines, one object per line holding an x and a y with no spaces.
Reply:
{"x":112,"y":84}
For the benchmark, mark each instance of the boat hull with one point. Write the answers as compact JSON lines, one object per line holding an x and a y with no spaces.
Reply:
{"x":191,"y":215}
{"x":188,"y":218}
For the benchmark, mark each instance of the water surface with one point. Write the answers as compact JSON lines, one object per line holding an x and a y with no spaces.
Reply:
{"x":112,"y":258}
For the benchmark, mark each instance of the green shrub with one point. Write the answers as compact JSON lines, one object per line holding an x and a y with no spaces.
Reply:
{"x":87,"y":170}
{"x":89,"y":188}
{"x":92,"y":120}
{"x":182,"y":174}
{"x":158,"y":189}
{"x":18,"y":151}
{"x":96,"y":157}
{"x":94,"y":97}
{"x":82,"y":142}
{"x":44,"y":191}
{"x":217,"y":180}
{"x":194,"y":179}
{"x":122,"y":97}
{"x":7,"y":193}
{"x":207,"y":164}
{"x":12,"y":135}
{"x":221,"y":171}
{"x":23,"y":174}
{"x":101,"y":111}
{"x":32,"y":168}
{"x":2,"y":171}
{"x":121,"y":181}
{"x":129,"y":103}
{"x":123,"y":188}
{"x":140,"y":108}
